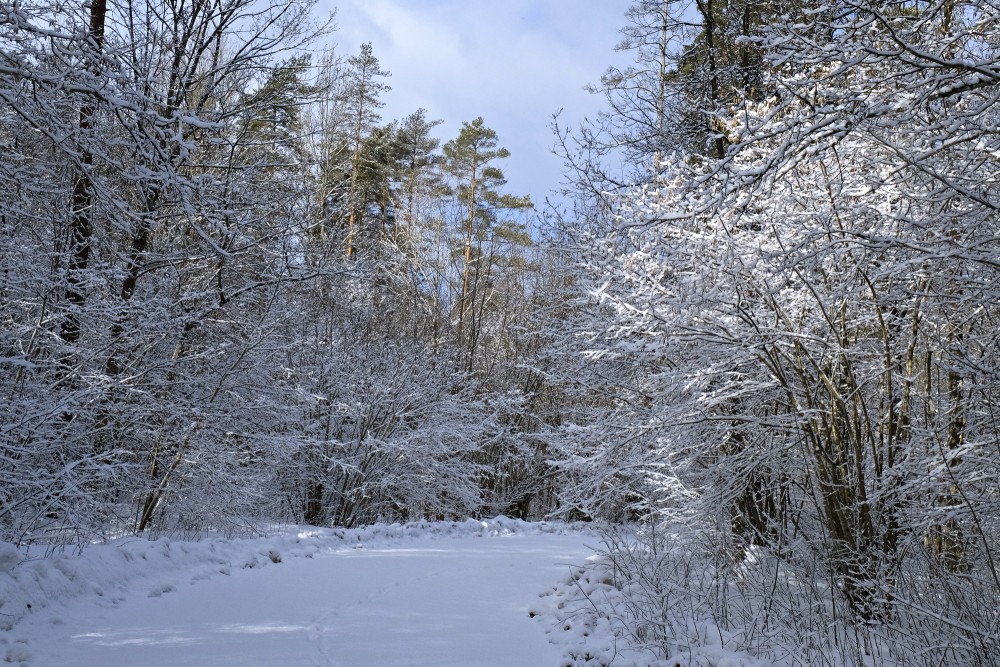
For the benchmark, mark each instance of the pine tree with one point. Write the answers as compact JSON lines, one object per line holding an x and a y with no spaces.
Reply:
{"x":416,"y":161}
{"x":469,"y":158}
{"x":361,"y":94}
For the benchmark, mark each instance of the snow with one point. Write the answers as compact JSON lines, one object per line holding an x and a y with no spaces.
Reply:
{"x":443,"y":594}
{"x":588,"y":608}
{"x":10,"y":557}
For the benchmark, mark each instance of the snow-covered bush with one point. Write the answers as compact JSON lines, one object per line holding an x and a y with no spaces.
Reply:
{"x":811,"y":310}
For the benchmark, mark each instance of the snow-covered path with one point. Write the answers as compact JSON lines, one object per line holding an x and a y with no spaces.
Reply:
{"x":459,"y":601}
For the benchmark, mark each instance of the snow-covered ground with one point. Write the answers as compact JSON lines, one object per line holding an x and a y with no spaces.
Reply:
{"x":441,"y":594}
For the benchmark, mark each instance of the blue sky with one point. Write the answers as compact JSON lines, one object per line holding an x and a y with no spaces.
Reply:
{"x":514,"y":62}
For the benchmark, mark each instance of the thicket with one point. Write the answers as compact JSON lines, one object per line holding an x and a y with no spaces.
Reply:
{"x":232,"y":293}
{"x":796,"y":290}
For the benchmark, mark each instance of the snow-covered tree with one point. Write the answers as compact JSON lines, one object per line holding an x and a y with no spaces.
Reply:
{"x":812,"y":310}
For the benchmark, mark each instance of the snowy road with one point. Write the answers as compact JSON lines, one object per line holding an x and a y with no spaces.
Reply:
{"x":458,"y":601}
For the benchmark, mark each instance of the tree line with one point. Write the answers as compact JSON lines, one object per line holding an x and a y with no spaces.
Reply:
{"x":233,"y":293}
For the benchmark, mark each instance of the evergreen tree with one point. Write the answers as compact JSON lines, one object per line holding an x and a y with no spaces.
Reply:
{"x":469,"y":159}
{"x":362,"y":89}
{"x":417,"y":162}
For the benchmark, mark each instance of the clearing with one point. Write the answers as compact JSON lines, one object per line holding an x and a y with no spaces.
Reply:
{"x":453,"y":594}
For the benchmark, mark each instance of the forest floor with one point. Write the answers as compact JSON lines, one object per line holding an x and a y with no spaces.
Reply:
{"x":429,"y":594}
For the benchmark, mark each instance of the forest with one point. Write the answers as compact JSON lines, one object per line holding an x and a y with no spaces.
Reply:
{"x":759,"y":341}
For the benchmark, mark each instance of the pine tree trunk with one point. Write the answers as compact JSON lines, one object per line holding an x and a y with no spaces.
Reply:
{"x":468,"y":252}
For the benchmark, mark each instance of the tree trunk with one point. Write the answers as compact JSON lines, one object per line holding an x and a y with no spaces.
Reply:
{"x":81,"y":226}
{"x":468,"y":251}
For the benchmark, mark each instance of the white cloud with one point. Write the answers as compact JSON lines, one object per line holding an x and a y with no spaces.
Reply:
{"x":514,"y":62}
